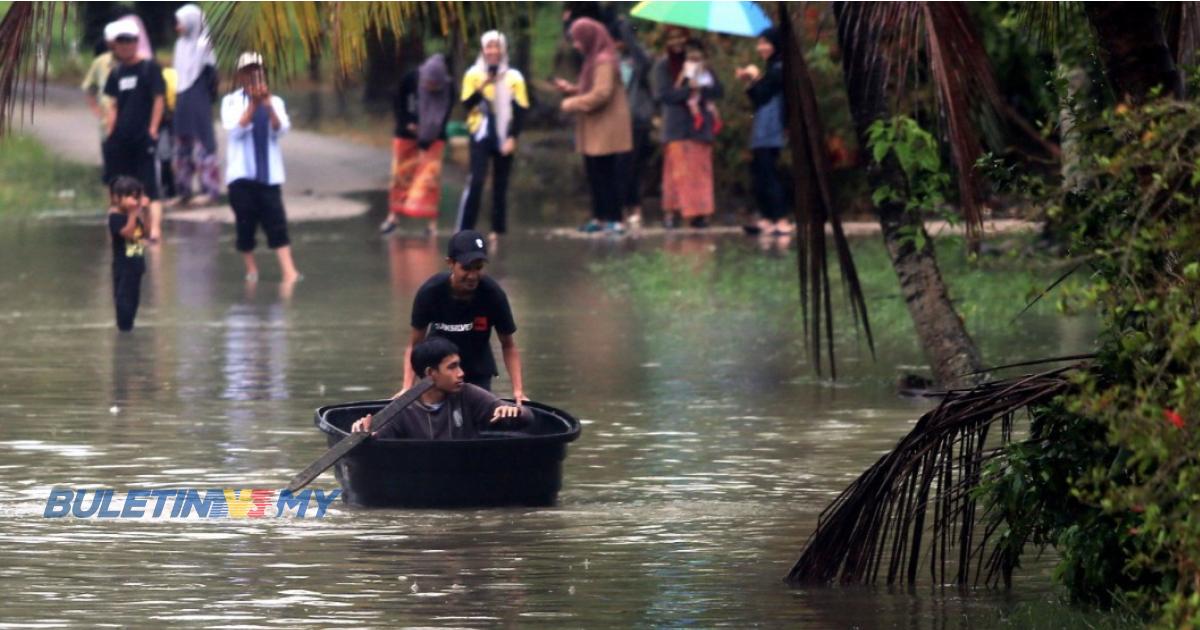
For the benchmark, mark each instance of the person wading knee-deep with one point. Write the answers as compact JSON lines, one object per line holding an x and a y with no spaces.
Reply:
{"x":127,"y":231}
{"x":254,"y":119}
{"x":496,"y":98}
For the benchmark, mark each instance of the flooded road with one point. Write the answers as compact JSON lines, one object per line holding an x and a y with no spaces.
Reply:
{"x":707,"y":455}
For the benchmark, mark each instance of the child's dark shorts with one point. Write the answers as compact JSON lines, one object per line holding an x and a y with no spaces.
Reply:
{"x":256,"y":204}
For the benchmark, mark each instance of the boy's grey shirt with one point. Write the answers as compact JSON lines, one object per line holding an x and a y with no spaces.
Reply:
{"x":461,"y":416}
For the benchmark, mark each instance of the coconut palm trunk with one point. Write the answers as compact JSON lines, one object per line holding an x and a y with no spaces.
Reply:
{"x":1136,"y":55}
{"x":949,"y":349}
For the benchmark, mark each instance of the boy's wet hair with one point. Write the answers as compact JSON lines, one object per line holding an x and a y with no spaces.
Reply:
{"x":430,"y":353}
{"x":126,"y":186}
{"x":695,"y":44}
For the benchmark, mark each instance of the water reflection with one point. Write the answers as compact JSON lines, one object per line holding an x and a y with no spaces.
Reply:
{"x":709,"y":450}
{"x":134,"y":364}
{"x":411,"y":261}
{"x":256,"y":348}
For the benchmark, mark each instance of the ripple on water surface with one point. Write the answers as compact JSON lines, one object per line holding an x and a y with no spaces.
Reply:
{"x":706,"y":459}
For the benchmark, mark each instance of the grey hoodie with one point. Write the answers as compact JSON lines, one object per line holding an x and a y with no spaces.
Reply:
{"x":461,"y":416}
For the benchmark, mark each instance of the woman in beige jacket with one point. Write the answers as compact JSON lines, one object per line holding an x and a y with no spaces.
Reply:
{"x":603,"y":127}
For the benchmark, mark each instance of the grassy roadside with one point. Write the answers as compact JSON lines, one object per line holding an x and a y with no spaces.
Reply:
{"x":33,"y":180}
{"x":732,"y":287}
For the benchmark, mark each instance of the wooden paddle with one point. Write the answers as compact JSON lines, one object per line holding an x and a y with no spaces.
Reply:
{"x":381,"y":419}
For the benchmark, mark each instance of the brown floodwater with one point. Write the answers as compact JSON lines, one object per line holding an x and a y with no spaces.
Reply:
{"x":708,"y":451}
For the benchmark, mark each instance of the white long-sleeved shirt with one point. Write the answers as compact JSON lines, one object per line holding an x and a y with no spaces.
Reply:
{"x":239,"y":153}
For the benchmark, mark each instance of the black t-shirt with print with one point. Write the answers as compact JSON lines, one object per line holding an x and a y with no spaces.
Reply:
{"x":468,"y":323}
{"x":134,"y":88}
{"x":123,"y":251}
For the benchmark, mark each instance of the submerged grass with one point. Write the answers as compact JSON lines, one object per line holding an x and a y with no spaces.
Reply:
{"x":733,"y":285}
{"x":33,"y":180}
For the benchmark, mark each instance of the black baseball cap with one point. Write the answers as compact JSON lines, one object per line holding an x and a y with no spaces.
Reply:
{"x":466,"y":247}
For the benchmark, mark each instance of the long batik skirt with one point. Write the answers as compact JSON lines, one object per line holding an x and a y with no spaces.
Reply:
{"x":416,"y":189}
{"x":687,"y":186}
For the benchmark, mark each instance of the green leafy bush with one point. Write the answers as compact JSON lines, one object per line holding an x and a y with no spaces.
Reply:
{"x":1111,"y":474}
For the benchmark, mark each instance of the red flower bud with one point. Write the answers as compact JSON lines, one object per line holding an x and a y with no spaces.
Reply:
{"x":1173,"y":417}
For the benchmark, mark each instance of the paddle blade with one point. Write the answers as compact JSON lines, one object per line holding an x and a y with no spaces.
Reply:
{"x":324,"y":462}
{"x":350,"y":442}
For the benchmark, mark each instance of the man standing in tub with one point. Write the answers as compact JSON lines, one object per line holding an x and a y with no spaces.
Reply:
{"x":464,"y":305}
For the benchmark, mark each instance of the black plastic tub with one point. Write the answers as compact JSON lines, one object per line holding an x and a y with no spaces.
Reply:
{"x":502,"y":468}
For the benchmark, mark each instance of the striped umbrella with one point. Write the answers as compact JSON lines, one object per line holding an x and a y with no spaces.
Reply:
{"x":722,"y":16}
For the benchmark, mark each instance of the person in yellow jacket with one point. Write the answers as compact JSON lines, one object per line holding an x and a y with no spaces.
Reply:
{"x":496,"y":100}
{"x":166,"y":138}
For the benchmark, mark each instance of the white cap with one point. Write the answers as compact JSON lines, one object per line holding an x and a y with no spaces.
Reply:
{"x":249,"y":59}
{"x":121,"y":28}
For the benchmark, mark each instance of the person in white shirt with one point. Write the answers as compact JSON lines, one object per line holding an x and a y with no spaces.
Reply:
{"x":254,"y":120}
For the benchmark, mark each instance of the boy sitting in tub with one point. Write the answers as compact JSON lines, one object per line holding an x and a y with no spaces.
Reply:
{"x":451,"y":409}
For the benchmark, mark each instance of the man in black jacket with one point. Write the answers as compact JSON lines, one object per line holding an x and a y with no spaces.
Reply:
{"x":451,"y":409}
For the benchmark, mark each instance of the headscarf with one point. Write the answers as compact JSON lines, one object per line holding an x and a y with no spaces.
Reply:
{"x":773,"y":35}
{"x":432,"y":105}
{"x":501,"y":104}
{"x":144,"y":50}
{"x":675,"y":59}
{"x":193,"y":49}
{"x":597,"y":48}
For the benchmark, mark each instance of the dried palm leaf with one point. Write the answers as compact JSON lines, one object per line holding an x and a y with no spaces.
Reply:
{"x":878,"y":524}
{"x":25,"y":34}
{"x":898,"y":37}
{"x":814,"y":206}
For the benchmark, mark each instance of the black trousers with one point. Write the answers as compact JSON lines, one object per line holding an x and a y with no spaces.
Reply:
{"x":768,"y":186}
{"x":134,"y":158}
{"x":604,"y":178}
{"x":632,"y":166}
{"x":127,"y":289}
{"x":468,"y":209}
{"x":256,"y":204}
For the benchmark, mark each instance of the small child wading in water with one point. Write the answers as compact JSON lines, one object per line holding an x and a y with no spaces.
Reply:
{"x":698,"y":76}
{"x":128,"y":248}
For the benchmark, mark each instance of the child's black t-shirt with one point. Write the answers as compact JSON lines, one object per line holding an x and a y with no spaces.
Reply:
{"x":124,"y":251}
{"x":468,"y":323}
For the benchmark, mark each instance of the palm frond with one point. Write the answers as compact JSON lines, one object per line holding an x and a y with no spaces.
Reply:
{"x":25,"y":35}
{"x":276,"y":30}
{"x":898,"y":37}
{"x":962,"y":74}
{"x":878,"y":524}
{"x":1048,"y":23}
{"x":814,"y":206}
{"x":289,"y":33}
